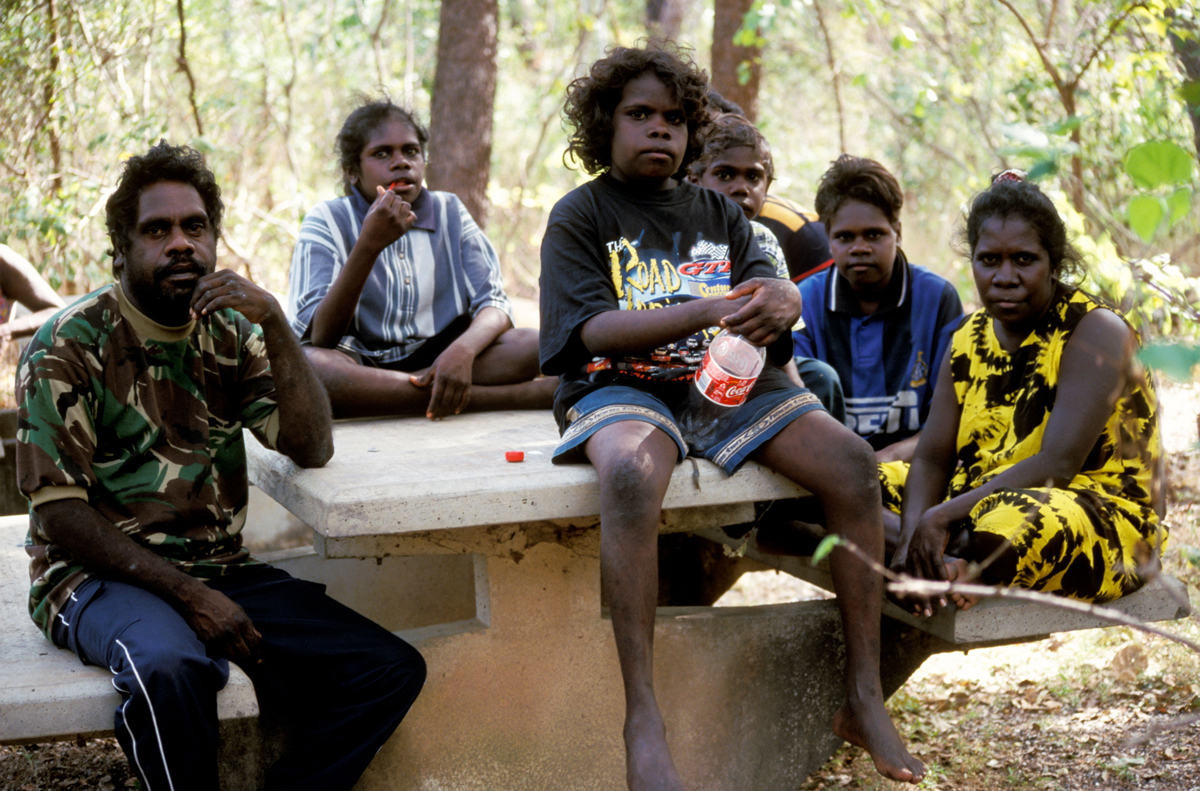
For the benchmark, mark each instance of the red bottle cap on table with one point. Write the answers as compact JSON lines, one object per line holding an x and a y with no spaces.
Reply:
{"x":514,"y":455}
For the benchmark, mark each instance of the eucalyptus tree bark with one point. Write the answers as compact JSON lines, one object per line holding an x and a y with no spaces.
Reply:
{"x":727,"y":58}
{"x":1185,"y":40}
{"x":50,"y":96}
{"x":464,"y":92}
{"x":664,"y":18}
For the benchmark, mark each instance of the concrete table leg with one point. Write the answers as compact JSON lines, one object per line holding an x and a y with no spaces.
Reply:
{"x":533,"y":701}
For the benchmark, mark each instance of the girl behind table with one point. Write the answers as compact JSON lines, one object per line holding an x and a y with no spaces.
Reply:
{"x":397,"y":294}
{"x":1041,"y":453}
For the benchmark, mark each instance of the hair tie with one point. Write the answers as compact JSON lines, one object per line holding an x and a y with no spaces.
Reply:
{"x":1012,"y":174}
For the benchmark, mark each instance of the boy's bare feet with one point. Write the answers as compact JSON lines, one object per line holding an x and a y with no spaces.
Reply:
{"x":648,"y":764}
{"x":866,"y":724}
{"x":959,"y":570}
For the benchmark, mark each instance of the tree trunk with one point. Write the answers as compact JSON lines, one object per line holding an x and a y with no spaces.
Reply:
{"x":664,"y":18}
{"x":726,"y":58}
{"x":464,"y":91}
{"x":48,"y":93}
{"x":1185,"y":40}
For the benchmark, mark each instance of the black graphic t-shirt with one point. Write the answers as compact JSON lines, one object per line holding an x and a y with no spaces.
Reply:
{"x":610,"y":247}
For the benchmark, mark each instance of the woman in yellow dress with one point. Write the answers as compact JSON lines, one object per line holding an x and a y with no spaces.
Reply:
{"x":1041,"y":459}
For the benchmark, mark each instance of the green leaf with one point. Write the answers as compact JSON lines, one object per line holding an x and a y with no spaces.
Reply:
{"x":1157,"y":163}
{"x":1174,"y":359}
{"x":743,"y":72}
{"x":1042,"y":170}
{"x":1178,"y":205}
{"x":1145,"y":215}
{"x":901,"y":41}
{"x":1065,"y":126}
{"x":1026,"y":135}
{"x":1189,"y":93}
{"x":825,"y":547}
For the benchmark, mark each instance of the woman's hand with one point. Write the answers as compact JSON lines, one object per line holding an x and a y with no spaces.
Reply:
{"x":450,"y":377}
{"x":389,"y":218}
{"x":926,"y":554}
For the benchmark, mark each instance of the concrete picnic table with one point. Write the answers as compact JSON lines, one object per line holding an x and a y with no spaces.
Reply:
{"x":524,"y":691}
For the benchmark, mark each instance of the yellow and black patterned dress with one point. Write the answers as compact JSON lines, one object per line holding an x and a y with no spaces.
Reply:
{"x":1081,"y":541}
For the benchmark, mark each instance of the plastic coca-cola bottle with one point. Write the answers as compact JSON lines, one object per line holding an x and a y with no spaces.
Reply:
{"x":727,"y":373}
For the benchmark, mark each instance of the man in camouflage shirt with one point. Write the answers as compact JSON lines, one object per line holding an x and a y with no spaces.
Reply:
{"x":132,"y":405}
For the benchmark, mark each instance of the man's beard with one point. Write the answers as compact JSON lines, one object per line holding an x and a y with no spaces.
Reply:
{"x":169,"y":302}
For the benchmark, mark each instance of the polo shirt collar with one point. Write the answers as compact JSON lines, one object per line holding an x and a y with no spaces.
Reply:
{"x":841,"y":295}
{"x":423,"y":207}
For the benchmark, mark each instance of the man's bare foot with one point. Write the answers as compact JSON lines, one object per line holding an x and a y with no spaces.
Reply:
{"x":648,"y":764}
{"x":867,"y":725}
{"x":959,"y":570}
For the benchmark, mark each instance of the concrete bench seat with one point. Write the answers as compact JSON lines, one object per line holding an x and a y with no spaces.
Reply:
{"x":46,"y":693}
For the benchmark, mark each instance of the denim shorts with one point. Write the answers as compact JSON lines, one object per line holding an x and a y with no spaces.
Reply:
{"x":773,"y":403}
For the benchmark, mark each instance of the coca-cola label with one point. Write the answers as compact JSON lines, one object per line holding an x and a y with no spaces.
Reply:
{"x":719,"y":386}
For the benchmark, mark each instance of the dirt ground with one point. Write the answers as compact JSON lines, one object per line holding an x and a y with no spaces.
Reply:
{"x":1102,"y":709}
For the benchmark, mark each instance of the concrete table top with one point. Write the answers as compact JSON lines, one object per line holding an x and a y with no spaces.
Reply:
{"x":399,"y":476}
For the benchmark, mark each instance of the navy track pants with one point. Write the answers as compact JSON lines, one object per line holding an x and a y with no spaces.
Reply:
{"x":341,"y":681}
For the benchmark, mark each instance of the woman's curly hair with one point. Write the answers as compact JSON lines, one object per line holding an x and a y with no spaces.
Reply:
{"x":592,"y":99}
{"x":1018,"y":198}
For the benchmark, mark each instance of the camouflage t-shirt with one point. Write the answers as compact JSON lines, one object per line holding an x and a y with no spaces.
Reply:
{"x":145,"y":423}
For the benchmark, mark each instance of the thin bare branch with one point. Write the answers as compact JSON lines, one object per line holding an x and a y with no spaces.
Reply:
{"x":182,"y":62}
{"x":906,"y":584}
{"x":1051,"y":18}
{"x":85,"y":27}
{"x":835,"y":76}
{"x":1039,"y":46}
{"x":905,"y":121}
{"x":911,"y":585}
{"x":49,"y":93}
{"x":1113,"y":27}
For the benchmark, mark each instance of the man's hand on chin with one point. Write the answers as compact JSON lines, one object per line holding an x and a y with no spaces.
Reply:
{"x":227,"y":289}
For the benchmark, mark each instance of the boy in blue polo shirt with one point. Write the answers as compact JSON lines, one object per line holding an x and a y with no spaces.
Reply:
{"x":638,"y":271}
{"x":881,"y":322}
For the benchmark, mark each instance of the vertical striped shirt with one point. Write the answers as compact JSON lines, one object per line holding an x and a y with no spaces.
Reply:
{"x":443,"y":268}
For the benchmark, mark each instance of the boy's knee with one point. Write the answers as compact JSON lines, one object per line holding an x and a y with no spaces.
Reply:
{"x":630,"y":476}
{"x":855,"y":473}
{"x":630,"y":487}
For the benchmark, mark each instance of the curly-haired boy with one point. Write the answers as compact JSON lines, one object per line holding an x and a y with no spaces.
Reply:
{"x":638,"y":271}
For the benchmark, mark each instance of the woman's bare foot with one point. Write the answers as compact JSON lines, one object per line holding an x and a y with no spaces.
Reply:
{"x":959,"y":570}
{"x":648,"y":764}
{"x":867,"y":725}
